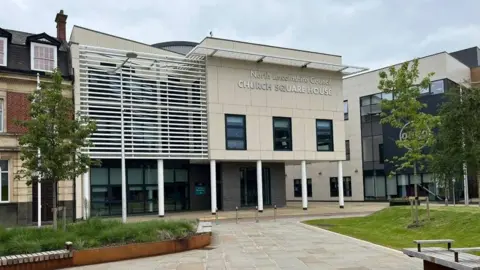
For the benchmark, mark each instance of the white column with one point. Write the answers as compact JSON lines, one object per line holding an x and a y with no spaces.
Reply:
{"x":39,"y":190}
{"x":161,"y":194}
{"x":340,"y":184}
{"x":304,"y":185}
{"x":86,"y":195}
{"x":122,"y":145}
{"x":259,"y":186}
{"x":213,"y":186}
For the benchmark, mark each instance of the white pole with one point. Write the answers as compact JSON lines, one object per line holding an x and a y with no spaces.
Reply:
{"x":304,"y":185}
{"x":161,"y":195}
{"x":122,"y":140}
{"x":86,"y":194}
{"x":340,"y":184}
{"x":465,"y":178}
{"x":213,"y":186}
{"x":259,"y":186}
{"x":39,"y":179}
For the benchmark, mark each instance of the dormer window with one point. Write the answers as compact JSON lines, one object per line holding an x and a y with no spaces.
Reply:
{"x":43,"y":57}
{"x":3,"y":51}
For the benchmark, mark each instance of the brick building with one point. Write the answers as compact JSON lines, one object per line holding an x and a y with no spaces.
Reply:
{"x":23,"y":56}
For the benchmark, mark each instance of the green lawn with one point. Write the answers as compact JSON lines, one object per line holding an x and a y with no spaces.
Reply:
{"x":389,"y":227}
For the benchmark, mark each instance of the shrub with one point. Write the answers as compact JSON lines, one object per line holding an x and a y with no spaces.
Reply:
{"x":91,"y":234}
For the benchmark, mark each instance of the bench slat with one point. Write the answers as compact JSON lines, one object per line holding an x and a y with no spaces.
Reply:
{"x":433,"y":241}
{"x":465,"y":249}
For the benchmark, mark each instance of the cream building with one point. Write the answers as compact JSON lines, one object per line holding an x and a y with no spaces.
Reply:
{"x":365,"y":170}
{"x":178,"y":111}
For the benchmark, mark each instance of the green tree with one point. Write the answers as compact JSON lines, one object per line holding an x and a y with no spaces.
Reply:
{"x":458,"y":140}
{"x":405,"y":112}
{"x":53,"y":131}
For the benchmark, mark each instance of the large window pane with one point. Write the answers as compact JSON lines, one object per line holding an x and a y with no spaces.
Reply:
{"x":367,"y":145}
{"x":391,"y":185}
{"x":98,"y":176}
{"x":168,"y":175}
{"x":380,"y":186}
{"x":369,"y":186}
{"x":235,"y":132}
{"x":181,"y":176}
{"x":437,"y":87}
{"x":115,"y":176}
{"x":135,"y":176}
{"x":4,"y":187}
{"x":324,"y":135}
{"x":377,"y":141}
{"x":151,"y":177}
{"x":99,"y":194}
{"x":364,"y":101}
{"x":282,"y":133}
{"x":376,"y":99}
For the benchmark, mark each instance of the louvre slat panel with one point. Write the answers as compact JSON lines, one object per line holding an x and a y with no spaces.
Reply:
{"x":164,"y":104}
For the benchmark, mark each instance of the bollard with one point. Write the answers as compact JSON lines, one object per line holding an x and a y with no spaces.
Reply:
{"x":275,"y":212}
{"x":256,"y":214}
{"x":236,"y":214}
{"x":216,"y":216}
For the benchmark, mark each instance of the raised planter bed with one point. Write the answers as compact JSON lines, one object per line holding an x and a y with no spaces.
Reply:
{"x":68,"y":258}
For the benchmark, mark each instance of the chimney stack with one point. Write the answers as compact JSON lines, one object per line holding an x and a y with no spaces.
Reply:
{"x":61,"y":20}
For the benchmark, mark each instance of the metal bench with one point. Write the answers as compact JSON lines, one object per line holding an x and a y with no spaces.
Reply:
{"x":463,"y":250}
{"x":433,"y":241}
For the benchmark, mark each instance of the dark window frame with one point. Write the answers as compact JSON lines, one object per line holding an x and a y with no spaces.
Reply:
{"x":227,"y":138}
{"x":347,"y":186}
{"x":289,"y":129}
{"x":347,"y":149}
{"x":299,"y":183}
{"x":345,"y":114}
{"x":331,"y":145}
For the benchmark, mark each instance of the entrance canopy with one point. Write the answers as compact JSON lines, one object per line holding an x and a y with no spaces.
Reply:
{"x":271,"y":55}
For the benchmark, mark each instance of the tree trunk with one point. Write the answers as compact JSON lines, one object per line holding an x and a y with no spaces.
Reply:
{"x":416,"y":192}
{"x":54,"y":204}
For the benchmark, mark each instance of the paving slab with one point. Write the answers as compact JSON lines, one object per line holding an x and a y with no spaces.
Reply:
{"x":284,"y":244}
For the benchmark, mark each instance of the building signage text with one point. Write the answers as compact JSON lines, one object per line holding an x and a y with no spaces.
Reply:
{"x":301,"y":84}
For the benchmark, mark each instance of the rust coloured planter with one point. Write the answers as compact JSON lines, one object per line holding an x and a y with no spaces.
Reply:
{"x":132,"y":251}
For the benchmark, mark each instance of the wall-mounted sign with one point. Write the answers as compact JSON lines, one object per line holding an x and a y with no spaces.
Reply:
{"x":200,"y":189}
{"x":267,"y":81}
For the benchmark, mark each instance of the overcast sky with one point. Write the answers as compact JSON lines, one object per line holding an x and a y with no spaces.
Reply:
{"x":370,"y":33}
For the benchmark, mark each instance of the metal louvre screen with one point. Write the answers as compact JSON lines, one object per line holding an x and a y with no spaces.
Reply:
{"x":163,"y":99}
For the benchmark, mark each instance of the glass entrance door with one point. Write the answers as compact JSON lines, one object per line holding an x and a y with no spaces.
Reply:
{"x":248,"y":187}
{"x":176,"y":190}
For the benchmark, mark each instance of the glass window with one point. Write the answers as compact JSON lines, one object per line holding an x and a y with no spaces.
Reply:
{"x":43,"y":57}
{"x":425,"y":90}
{"x":297,"y":187}
{"x":381,"y":153}
{"x":345,"y":110}
{"x":437,"y":87}
{"x":387,"y":96}
{"x":135,"y":176}
{"x":282,"y":134}
{"x":364,"y":101}
{"x":115,"y":176}
{"x":181,"y":176}
{"x":235,"y":132}
{"x":151,"y":176}
{"x":347,"y":186}
{"x":380,"y":186}
{"x":369,"y":186}
{"x":324,"y":135}
{"x":98,"y":176}
{"x":367,"y":144}
{"x":376,"y":99}
{"x":4,"y":183}
{"x":347,"y":149}
{"x":391,"y":185}
{"x":377,"y":141}
{"x":3,"y":51}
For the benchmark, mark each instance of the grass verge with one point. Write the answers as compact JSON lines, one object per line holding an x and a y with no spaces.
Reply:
{"x":389,"y":227}
{"x":90,"y":234}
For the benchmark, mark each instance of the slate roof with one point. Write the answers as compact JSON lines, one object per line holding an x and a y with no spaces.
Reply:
{"x":20,"y":38}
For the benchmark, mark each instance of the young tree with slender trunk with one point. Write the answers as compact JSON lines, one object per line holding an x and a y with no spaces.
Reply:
{"x":53,"y":131}
{"x":458,"y":140}
{"x":405,"y":112}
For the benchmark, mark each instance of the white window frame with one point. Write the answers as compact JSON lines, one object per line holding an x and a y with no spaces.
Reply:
{"x":32,"y":55}
{"x":9,"y":184}
{"x":5,"y":45}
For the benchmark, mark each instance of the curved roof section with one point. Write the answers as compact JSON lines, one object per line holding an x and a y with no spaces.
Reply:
{"x":181,"y":47}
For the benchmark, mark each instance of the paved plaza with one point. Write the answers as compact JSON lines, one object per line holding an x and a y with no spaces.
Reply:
{"x":281,"y":244}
